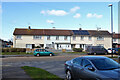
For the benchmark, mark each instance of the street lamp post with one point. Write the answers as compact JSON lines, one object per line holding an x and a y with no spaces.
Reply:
{"x":110,"y":5}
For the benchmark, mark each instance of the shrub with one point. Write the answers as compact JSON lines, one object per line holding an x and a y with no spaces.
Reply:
{"x":23,"y":49}
{"x":77,"y":49}
{"x":13,"y":49}
{"x":5,"y":49}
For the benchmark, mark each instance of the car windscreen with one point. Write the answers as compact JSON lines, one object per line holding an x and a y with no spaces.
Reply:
{"x":105,"y":64}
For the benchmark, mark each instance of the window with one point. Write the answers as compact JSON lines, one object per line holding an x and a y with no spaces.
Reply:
{"x":18,"y":37}
{"x":30,"y":46}
{"x":100,"y":38}
{"x":114,"y":40}
{"x":60,"y":46}
{"x":65,"y":37}
{"x":37,"y":37}
{"x":68,"y":45}
{"x":77,"y":61}
{"x":48,"y":37}
{"x":49,"y":45}
{"x":74,"y":37}
{"x":100,"y":45}
{"x":82,"y":37}
{"x":57,"y":37}
{"x":90,"y":38}
{"x":85,"y":63}
{"x":107,"y":64}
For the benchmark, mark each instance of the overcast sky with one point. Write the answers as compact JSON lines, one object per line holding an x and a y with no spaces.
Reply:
{"x":61,"y":15}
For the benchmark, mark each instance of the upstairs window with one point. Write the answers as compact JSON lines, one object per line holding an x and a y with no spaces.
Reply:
{"x":100,"y":45}
{"x":100,"y":38}
{"x":57,"y":37}
{"x":82,"y":37}
{"x":37,"y":37}
{"x":18,"y":37}
{"x":48,"y":37}
{"x":114,"y":40}
{"x":90,"y":38}
{"x":65,"y":37}
{"x":74,"y":37}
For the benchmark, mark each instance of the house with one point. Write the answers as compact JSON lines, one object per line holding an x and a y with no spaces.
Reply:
{"x":45,"y":38}
{"x":84,"y":38}
{"x":116,"y":40}
{"x":60,"y":39}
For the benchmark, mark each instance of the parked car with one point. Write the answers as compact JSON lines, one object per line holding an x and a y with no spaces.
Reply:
{"x":92,"y":68}
{"x":40,"y":52}
{"x":116,"y":50}
{"x":110,"y":50}
{"x":96,"y":50}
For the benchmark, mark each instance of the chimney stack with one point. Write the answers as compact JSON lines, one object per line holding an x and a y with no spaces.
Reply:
{"x":29,"y":27}
{"x":80,"y":28}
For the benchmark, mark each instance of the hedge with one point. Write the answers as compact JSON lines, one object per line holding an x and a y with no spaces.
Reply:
{"x":77,"y":49}
{"x":13,"y":49}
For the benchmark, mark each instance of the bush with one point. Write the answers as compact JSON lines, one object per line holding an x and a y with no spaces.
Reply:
{"x":23,"y":49}
{"x":13,"y":49}
{"x":77,"y":49}
{"x":5,"y":49}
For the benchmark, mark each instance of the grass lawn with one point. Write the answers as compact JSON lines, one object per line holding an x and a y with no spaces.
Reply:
{"x":15,"y":53}
{"x":39,"y":74}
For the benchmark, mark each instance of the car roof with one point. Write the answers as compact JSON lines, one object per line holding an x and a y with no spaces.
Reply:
{"x":41,"y":49}
{"x":93,"y":57}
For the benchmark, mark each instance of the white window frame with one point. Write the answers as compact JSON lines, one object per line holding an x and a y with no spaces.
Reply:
{"x":48,"y":37}
{"x":18,"y":37}
{"x":37,"y":37}
{"x":82,"y":37}
{"x":99,"y":38}
{"x":90,"y":38}
{"x":74,"y":37}
{"x":114,"y":40}
{"x":65,"y":37}
{"x":100,"y":45}
{"x":57,"y":37}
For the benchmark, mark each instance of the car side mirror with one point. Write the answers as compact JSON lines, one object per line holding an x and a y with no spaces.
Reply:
{"x":91,"y":69}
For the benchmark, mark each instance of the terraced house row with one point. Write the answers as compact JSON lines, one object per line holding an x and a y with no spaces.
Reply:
{"x":60,"y":39}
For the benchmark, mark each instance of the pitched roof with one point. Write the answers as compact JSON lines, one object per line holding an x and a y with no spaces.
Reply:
{"x":55,"y":32}
{"x":116,"y":36}
{"x":18,"y":31}
{"x":97,"y":33}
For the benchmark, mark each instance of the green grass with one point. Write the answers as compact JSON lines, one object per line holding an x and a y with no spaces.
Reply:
{"x":39,"y":74}
{"x":15,"y":53}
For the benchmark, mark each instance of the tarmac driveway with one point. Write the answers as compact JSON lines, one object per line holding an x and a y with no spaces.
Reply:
{"x":55,"y":64}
